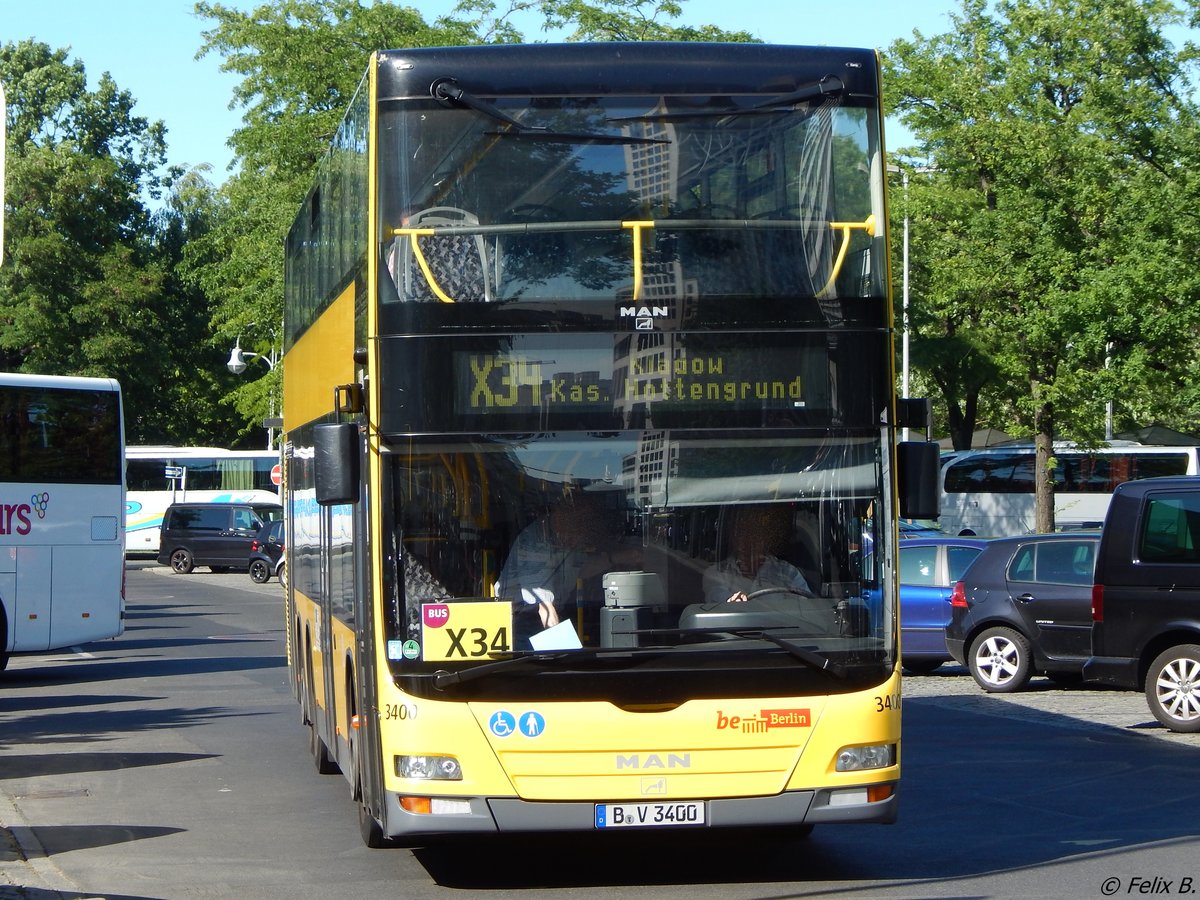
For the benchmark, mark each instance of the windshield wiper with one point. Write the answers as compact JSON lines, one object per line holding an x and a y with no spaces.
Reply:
{"x":449,"y":90}
{"x":828,"y":85}
{"x":806,"y":656}
{"x":444,"y":678}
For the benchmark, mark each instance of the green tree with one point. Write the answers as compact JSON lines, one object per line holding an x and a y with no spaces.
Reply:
{"x":1063,"y":227}
{"x":631,"y":20}
{"x":81,"y":291}
{"x":301,"y":62}
{"x":191,"y":404}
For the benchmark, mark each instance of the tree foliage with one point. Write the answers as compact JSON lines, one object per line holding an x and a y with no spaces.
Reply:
{"x":82,"y":291}
{"x":631,"y":20}
{"x":300,"y":62}
{"x":1056,"y":225}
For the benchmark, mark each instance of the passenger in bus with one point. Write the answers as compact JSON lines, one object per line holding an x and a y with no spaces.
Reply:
{"x":759,"y":534}
{"x":552,"y":557}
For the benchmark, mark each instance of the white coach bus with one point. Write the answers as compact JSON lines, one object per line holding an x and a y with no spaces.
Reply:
{"x":156,"y":477}
{"x":62,"y":536}
{"x":991,"y":492}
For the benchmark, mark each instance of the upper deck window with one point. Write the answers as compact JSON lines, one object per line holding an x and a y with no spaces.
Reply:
{"x":654,"y":201}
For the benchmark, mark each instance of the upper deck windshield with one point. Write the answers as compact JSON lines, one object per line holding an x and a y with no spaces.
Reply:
{"x":651,"y":199}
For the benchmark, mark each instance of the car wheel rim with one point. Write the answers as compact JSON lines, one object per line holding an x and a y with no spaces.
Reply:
{"x":1178,"y":689}
{"x":997,"y":661}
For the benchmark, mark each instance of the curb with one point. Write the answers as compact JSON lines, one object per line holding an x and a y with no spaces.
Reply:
{"x":25,"y":869}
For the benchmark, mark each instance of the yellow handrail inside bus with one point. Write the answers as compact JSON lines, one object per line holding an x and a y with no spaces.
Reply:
{"x":636,"y":228}
{"x":412,"y":234}
{"x":867,"y":225}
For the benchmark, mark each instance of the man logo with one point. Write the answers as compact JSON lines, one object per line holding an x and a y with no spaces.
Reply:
{"x":643,"y":316}
{"x":654,"y":787}
{"x":654,"y":761}
{"x":643,"y":312}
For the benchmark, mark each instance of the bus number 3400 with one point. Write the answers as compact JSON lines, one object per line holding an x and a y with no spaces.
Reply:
{"x":887,"y":702}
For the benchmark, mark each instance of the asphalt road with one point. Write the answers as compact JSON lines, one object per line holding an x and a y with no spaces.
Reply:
{"x":170,"y":763}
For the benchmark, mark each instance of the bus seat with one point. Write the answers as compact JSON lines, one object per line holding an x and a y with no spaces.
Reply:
{"x":457,"y":262}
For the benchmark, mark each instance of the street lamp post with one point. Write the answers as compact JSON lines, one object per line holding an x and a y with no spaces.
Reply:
{"x":904,"y":293}
{"x":904,"y":282}
{"x":239,"y":360}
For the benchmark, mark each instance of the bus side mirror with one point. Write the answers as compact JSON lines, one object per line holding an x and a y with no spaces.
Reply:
{"x":915,"y":413}
{"x":918,"y":473}
{"x":335,"y":464}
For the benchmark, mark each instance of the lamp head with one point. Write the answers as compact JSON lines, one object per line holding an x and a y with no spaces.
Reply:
{"x":237,"y":361}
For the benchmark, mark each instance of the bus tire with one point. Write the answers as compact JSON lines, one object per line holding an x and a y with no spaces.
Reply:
{"x":1173,"y":688}
{"x":999,"y":660}
{"x":182,"y":561}
{"x":3,"y":639}
{"x":320,"y":753}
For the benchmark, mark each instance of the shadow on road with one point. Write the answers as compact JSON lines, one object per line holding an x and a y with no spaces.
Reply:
{"x":1024,"y":792}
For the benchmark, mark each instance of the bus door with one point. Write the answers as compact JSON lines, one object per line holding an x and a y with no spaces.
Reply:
{"x":30,"y":617}
{"x":325,"y":625}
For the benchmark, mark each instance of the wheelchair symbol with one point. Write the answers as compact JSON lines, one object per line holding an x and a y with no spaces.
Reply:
{"x":502,"y":723}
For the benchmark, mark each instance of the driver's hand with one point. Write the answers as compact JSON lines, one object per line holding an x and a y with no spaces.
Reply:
{"x":548,"y":613}
{"x":739,"y":597}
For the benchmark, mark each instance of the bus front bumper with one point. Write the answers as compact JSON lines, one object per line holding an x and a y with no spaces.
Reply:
{"x":511,"y":814}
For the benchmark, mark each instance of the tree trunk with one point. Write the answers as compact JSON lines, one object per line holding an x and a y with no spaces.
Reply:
{"x":1043,"y":475}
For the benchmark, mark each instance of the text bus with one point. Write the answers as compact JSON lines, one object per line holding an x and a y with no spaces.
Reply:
{"x":991,"y":492}
{"x":62,"y":536}
{"x":156,"y":477}
{"x":613,"y":313}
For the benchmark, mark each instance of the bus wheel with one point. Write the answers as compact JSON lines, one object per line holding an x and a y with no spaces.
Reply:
{"x":182,"y":562}
{"x":999,"y":660}
{"x":1173,"y":688}
{"x":3,"y":640}
{"x":320,"y":753}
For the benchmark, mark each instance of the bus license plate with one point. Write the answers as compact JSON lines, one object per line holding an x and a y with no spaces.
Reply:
{"x":652,"y":815}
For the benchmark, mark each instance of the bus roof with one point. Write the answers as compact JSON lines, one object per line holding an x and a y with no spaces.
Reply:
{"x":169,"y":450}
{"x":60,"y":382}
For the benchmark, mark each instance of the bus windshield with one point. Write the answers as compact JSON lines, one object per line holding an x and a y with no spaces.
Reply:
{"x":515,"y":546}
{"x":635,"y":198}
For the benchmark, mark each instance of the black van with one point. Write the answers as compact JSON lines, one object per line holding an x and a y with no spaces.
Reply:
{"x":217,"y":535}
{"x":1146,"y":598}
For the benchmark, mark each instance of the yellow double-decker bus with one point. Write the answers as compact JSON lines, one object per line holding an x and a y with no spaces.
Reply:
{"x":591,"y":465}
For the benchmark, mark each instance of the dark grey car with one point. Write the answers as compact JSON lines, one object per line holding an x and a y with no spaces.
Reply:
{"x":214,"y":534}
{"x":1024,"y":607}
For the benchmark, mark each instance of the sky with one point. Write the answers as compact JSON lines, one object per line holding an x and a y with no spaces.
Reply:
{"x":149,"y":48}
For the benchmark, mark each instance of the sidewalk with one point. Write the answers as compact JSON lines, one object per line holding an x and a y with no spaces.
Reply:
{"x":25,"y":871}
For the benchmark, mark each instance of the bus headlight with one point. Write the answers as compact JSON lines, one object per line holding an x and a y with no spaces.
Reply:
{"x":875,"y":756}
{"x":429,"y":768}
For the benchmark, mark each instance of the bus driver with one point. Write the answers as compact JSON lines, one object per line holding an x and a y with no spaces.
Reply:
{"x":758,"y":534}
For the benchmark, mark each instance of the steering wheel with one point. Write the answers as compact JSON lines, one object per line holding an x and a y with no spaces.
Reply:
{"x":780,"y":590}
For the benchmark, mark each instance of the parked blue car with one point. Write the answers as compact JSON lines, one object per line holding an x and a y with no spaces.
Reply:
{"x":929,"y":568}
